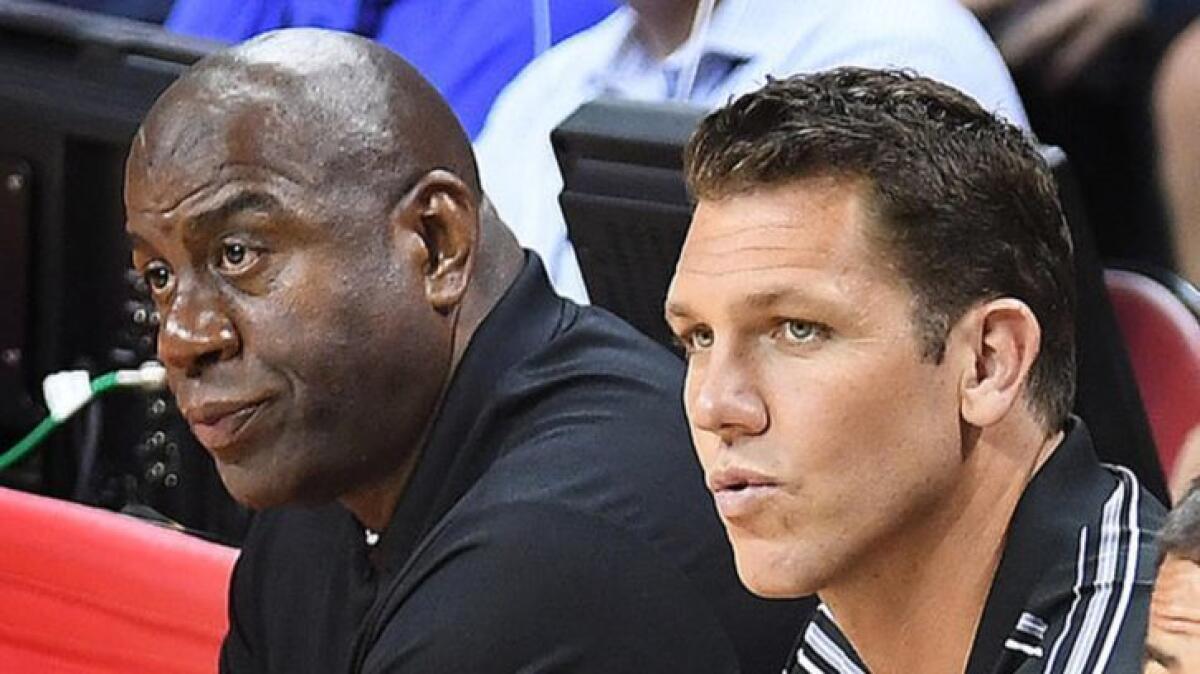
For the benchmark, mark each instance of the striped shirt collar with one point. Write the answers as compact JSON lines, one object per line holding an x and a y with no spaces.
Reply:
{"x":1075,"y":543}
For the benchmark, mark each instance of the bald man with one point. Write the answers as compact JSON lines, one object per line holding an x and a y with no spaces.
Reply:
{"x":457,"y":471}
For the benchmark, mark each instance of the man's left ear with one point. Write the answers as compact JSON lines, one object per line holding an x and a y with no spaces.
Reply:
{"x":1000,"y":338}
{"x":447,"y":221}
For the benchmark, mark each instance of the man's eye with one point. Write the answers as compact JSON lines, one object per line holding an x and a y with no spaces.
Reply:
{"x":158,"y":276}
{"x":802,"y":332}
{"x":237,"y":256}
{"x":698,"y":338}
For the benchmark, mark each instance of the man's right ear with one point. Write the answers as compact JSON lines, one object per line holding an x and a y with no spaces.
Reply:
{"x":1002,"y":338}
{"x":443,"y":213}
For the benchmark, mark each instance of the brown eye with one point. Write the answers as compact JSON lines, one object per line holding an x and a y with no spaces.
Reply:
{"x":235,"y":253}
{"x":158,"y":276}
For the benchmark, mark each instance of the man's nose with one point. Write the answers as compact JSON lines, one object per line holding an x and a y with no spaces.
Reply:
{"x":196,"y":332}
{"x":724,"y":397}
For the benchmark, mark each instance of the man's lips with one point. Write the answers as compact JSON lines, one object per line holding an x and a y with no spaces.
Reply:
{"x":740,"y":493}
{"x":219,"y":424}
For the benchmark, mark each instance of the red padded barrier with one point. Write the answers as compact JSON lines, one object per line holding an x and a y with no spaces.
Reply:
{"x":1163,"y":339}
{"x":87,"y":590}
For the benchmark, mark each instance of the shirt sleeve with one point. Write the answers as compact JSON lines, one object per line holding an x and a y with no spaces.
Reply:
{"x":536,"y":589}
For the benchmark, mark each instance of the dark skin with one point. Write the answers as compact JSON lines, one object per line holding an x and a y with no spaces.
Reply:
{"x":306,"y":211}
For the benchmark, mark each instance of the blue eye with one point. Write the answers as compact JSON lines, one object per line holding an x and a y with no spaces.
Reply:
{"x":802,"y":332}
{"x":696,"y":339}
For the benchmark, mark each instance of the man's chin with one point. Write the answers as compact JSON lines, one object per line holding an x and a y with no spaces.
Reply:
{"x":775,"y":576}
{"x":254,"y":491}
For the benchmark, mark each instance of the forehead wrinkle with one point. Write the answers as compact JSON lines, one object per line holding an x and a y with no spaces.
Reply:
{"x":217,"y":184}
{"x":759,"y":238}
{"x":249,"y":199}
{"x":801,"y":257}
{"x":704,"y":236}
{"x":703,"y":271}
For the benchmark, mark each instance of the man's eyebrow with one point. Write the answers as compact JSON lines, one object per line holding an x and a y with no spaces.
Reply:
{"x":766,"y":298}
{"x":677,"y":309}
{"x":242,"y":201}
{"x":1165,"y":659}
{"x":135,"y":239}
{"x":763,"y":299}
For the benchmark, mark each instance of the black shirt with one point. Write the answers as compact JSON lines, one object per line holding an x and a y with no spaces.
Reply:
{"x":1072,"y":592}
{"x":557,"y":521}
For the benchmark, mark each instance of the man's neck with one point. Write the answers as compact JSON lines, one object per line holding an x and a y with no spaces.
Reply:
{"x":373,"y":504}
{"x":664,"y":25}
{"x":916,"y":604}
{"x":498,"y":260}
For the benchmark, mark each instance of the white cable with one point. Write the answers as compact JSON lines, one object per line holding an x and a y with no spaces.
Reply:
{"x":542,"y":35}
{"x":66,"y":392}
{"x":694,"y":49}
{"x":150,"y":376}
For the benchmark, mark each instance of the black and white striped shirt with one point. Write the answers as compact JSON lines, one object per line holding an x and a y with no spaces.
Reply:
{"x":1072,"y":591}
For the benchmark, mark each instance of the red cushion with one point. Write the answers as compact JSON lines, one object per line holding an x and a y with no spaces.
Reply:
{"x":87,"y":590}
{"x":1163,"y":339}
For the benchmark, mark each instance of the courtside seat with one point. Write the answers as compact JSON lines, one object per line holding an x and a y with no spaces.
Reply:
{"x":1163,"y":340}
{"x":84,"y":590}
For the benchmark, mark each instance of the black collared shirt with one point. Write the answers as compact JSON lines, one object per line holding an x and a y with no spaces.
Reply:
{"x":1072,"y":591}
{"x":556,"y":522}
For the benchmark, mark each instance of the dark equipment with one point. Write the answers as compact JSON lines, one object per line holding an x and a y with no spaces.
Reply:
{"x":73,"y":88}
{"x":627,"y":212}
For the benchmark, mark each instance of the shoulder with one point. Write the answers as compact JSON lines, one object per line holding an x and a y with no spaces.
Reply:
{"x":551,"y":85}
{"x":903,"y":23}
{"x":596,"y":342}
{"x":595,"y":420}
{"x":1098,"y":617}
{"x":603,"y":382}
{"x":568,"y":592}
{"x":937,"y":38}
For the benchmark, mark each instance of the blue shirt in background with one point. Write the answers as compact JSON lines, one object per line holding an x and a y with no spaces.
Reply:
{"x":468,"y":49}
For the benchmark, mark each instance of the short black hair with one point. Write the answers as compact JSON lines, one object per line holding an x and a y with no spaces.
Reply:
{"x":964,"y":201}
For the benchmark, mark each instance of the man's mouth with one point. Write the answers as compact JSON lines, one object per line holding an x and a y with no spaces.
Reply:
{"x":219,"y":425}
{"x":739,"y":493}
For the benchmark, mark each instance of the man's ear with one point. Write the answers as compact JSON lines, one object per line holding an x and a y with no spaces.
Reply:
{"x":443,"y":212}
{"x":998,"y":341}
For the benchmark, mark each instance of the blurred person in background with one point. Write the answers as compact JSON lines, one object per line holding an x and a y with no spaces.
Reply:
{"x":469,"y":49}
{"x":1177,"y":121}
{"x":702,"y":52}
{"x":1086,"y":70}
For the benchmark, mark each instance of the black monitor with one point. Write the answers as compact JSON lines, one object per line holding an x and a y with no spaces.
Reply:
{"x":626,"y":206}
{"x":627,"y":213}
{"x":74,"y":87}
